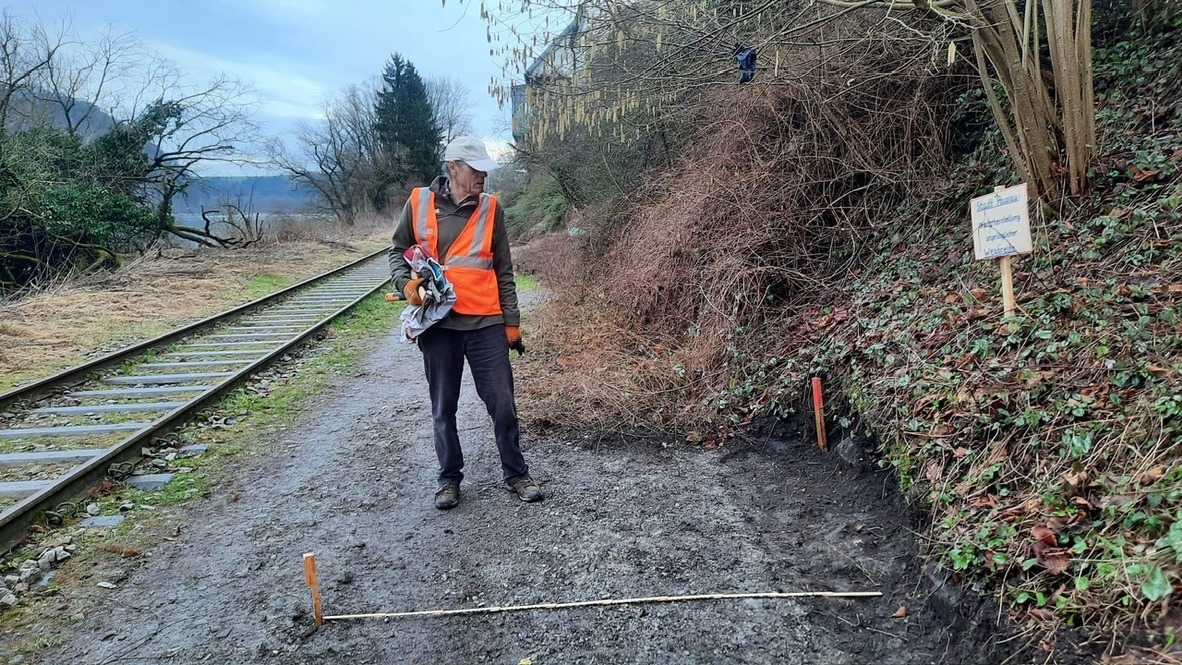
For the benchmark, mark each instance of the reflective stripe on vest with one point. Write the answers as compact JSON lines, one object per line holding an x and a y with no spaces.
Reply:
{"x":469,"y":260}
{"x":425,"y":201}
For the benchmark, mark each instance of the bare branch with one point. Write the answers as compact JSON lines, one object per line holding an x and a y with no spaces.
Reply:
{"x":451,"y":103}
{"x":338,"y":157}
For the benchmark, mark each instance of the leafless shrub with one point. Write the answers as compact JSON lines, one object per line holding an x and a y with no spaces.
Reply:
{"x":776,"y":195}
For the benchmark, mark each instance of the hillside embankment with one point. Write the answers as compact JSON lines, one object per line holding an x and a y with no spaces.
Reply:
{"x":796,"y":238}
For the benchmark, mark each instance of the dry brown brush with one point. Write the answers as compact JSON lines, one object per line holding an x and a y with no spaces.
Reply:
{"x":777,"y":193}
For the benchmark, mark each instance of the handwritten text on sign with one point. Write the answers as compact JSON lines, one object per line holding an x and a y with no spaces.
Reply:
{"x":1001,"y":223}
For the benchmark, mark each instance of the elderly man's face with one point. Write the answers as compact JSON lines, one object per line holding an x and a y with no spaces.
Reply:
{"x":465,"y":180}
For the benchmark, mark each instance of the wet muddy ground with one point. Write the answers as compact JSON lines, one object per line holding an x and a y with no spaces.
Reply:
{"x":352,"y":481}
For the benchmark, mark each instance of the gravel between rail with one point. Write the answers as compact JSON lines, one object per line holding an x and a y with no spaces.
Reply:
{"x":352,"y":481}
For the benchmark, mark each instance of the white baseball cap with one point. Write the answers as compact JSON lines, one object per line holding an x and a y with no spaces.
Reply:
{"x":471,"y":151}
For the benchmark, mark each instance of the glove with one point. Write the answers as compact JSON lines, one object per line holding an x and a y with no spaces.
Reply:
{"x":514,"y":335}
{"x":411,"y":292}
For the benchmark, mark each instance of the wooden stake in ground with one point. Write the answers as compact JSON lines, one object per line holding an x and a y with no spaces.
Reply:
{"x":1001,"y":229}
{"x":819,"y":414}
{"x":314,"y":584}
{"x":1009,"y":303}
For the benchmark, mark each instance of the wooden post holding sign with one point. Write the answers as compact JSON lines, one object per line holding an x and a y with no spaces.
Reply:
{"x":1001,"y":229}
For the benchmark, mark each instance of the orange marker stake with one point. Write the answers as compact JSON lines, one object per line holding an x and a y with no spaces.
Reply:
{"x":819,"y":414}
{"x":314,"y":584}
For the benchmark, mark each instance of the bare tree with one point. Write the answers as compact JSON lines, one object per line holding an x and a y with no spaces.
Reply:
{"x":452,"y":106}
{"x":79,"y":87}
{"x":138,"y":105}
{"x":339,"y":156}
{"x":192,"y":128}
{"x":26,"y":51}
{"x":233,"y":222}
{"x":607,"y":59}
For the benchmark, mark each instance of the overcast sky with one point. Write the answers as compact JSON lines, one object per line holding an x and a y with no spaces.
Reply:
{"x":296,"y":52}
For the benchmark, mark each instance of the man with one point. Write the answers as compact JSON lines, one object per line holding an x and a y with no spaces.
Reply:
{"x":465,"y":229}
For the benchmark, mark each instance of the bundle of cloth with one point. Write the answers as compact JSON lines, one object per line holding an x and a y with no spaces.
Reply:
{"x":437,"y":293}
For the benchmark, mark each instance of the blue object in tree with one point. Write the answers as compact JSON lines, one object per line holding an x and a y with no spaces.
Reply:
{"x":746,"y":58}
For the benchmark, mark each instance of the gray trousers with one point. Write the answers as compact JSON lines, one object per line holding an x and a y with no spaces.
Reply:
{"x":487,"y":353}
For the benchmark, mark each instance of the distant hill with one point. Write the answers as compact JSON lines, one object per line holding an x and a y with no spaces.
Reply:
{"x":268,"y":194}
{"x":36,"y":108}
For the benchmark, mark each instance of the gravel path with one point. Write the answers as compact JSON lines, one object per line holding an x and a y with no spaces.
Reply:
{"x":353,"y":482}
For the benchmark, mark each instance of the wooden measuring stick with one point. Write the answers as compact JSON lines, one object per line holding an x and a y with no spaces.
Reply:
{"x":608,"y":601}
{"x":819,"y":414}
{"x":1007,"y":279}
{"x":313,"y":583}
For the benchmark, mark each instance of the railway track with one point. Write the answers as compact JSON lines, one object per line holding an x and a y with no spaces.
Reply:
{"x":60,"y":435}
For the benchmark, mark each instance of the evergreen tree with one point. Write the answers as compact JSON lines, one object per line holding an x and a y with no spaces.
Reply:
{"x":406,"y":129}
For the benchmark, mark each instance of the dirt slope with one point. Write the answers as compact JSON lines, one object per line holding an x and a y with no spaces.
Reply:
{"x":352,"y":481}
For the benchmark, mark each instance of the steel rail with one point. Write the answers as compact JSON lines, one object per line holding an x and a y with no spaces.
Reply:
{"x":16,"y":519}
{"x":42,"y":386}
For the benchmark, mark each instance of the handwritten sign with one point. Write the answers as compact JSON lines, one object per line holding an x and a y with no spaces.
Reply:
{"x":1001,"y":223}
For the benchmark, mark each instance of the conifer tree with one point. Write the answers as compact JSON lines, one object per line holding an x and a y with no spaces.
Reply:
{"x":406,"y":129}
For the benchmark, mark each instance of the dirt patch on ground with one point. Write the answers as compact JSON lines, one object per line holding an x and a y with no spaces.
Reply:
{"x":62,"y":326}
{"x":623,"y":518}
{"x":353,"y":481}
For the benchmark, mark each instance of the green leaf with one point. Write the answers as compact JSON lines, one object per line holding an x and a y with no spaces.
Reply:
{"x":1156,"y":586}
{"x":1173,"y":541}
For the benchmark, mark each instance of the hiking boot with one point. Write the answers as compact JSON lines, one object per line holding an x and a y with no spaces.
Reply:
{"x":527,"y":490}
{"x":448,"y":496}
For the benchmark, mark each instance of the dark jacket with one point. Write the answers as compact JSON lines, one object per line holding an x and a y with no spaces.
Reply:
{"x":452,"y":218}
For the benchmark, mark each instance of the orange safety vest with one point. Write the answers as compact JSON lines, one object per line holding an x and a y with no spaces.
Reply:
{"x":469,"y":260}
